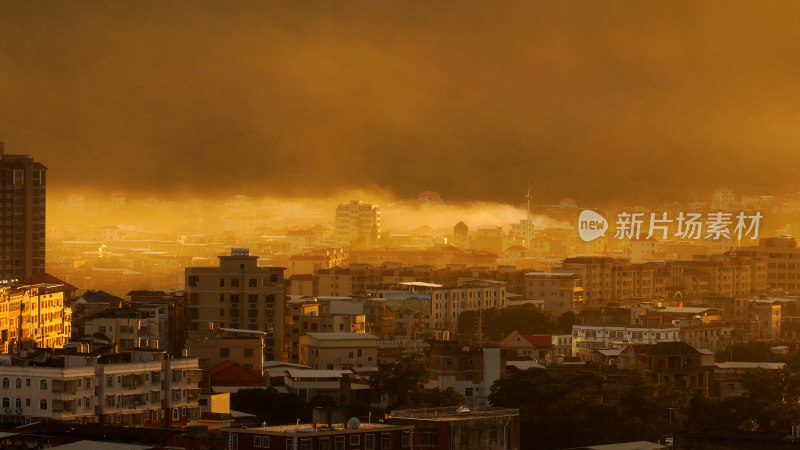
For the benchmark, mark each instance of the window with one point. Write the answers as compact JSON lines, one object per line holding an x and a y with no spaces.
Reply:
{"x":193,"y":281}
{"x":183,"y":411}
{"x":339,"y":443}
{"x":27,"y":381}
{"x":305,"y":444}
{"x":222,"y":282}
{"x":224,"y":352}
{"x":360,"y":353}
{"x":355,"y":439}
{"x":325,"y":443}
{"x":175,"y":414}
{"x":252,"y":282}
{"x":406,"y":439}
{"x":6,"y":402}
{"x":386,"y":441}
{"x":369,"y":442}
{"x":18,"y":383}
{"x":248,"y":353}
{"x":6,"y":383}
{"x":43,"y":385}
{"x":257,"y":441}
{"x":234,"y":282}
{"x":43,"y":405}
{"x":27,"y":402}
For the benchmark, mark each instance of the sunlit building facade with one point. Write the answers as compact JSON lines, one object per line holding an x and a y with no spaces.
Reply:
{"x":238,"y":294}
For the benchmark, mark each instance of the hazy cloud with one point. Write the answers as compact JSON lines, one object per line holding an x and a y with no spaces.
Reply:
{"x":594,"y":100}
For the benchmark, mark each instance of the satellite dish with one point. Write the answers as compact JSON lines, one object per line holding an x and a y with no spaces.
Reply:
{"x":353,"y":423}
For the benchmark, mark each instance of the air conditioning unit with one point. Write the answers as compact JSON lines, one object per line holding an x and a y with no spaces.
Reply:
{"x":18,"y":411}
{"x":8,"y":410}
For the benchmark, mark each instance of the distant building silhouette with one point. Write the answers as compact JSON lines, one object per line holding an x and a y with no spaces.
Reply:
{"x":357,"y":224}
{"x":461,"y":235}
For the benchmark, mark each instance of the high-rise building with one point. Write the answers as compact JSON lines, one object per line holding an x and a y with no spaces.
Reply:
{"x":22,"y":216}
{"x":357,"y":224}
{"x":238,"y":294}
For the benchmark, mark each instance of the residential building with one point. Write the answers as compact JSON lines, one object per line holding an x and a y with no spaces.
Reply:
{"x":544,"y":348}
{"x":783,"y":265}
{"x":486,"y":428}
{"x":341,"y":436}
{"x":768,"y":314}
{"x":33,"y":315}
{"x":469,"y":370}
{"x":129,"y":328}
{"x":212,"y":347}
{"x":308,"y":315}
{"x":133,"y":389}
{"x":338,"y":350}
{"x":22,"y":203}
{"x":357,"y":224}
{"x":600,"y":336}
{"x":677,"y":363}
{"x":561,"y":291}
{"x":596,"y":277}
{"x":238,"y":294}
{"x":728,"y":376}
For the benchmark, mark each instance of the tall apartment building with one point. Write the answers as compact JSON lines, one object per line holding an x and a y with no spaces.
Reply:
{"x":22,"y":216}
{"x":238,"y":294}
{"x":560,"y":291}
{"x":783,"y":262}
{"x":596,"y":276}
{"x":33,"y":315}
{"x":357,"y":223}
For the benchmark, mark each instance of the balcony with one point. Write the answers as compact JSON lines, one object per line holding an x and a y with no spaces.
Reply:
{"x":193,"y":395}
{"x":65,"y":406}
{"x":194,"y":376}
{"x":132,"y":381}
{"x":65,"y":387}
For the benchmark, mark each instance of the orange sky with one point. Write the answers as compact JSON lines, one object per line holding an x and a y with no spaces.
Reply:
{"x":598,"y":101}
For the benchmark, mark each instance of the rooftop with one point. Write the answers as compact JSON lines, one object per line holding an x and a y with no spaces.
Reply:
{"x":449,"y":413}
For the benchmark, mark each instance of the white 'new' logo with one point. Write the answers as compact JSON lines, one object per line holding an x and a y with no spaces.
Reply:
{"x":591,"y":225}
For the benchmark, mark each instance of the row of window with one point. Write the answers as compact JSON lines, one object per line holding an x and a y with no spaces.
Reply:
{"x":327,"y":443}
{"x":18,"y":403}
{"x":18,"y":383}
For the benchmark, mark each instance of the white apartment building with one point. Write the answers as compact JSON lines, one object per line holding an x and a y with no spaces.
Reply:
{"x":357,"y":222}
{"x":41,"y":392}
{"x":598,"y":336}
{"x":136,"y":389}
{"x":446,"y":303}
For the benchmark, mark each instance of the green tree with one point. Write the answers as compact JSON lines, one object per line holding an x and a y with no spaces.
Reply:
{"x":433,"y":398}
{"x":498,"y":323}
{"x":402,"y":379}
